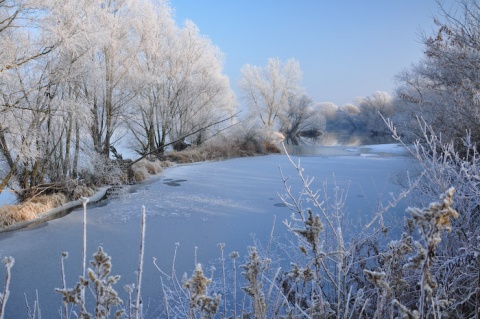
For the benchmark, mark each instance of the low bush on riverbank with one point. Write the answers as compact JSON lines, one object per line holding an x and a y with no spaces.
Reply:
{"x":212,"y":152}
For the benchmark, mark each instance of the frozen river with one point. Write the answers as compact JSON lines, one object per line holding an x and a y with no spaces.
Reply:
{"x":198,"y":205}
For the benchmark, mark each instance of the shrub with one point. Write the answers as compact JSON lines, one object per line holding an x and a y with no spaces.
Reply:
{"x":102,"y":171}
{"x":443,"y":165}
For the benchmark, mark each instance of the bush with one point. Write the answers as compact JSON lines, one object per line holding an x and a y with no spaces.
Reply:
{"x":443,"y":164}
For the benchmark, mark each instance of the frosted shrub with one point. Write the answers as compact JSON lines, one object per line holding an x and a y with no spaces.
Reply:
{"x":102,"y":171}
{"x":443,"y":164}
{"x":430,"y":222}
{"x":241,"y":142}
{"x":392,"y":280}
{"x":200,"y":301}
{"x":191,"y":297}
{"x":253,"y":272}
{"x":100,"y":282}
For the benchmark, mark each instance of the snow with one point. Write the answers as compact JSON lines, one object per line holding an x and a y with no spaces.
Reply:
{"x":198,"y":205}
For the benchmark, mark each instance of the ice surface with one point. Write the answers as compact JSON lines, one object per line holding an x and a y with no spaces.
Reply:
{"x":198,"y":205}
{"x":365,"y":150}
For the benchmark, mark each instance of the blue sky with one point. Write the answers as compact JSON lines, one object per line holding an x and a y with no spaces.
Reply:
{"x":346,"y":48}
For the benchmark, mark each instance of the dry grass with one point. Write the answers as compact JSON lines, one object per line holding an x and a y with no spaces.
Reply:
{"x":35,"y":206}
{"x":145,"y":168}
{"x":223,"y":148}
{"x":82,"y":191}
{"x":11,"y":214}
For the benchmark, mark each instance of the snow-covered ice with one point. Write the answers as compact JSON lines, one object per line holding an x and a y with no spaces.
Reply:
{"x":198,"y":205}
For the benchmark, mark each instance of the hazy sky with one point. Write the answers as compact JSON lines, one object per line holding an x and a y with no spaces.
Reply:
{"x":346,"y":48}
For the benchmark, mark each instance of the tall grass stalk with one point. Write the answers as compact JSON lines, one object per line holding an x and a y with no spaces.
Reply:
{"x":224,"y":279}
{"x":8,"y":262}
{"x":84,"y":251}
{"x":64,"y":283}
{"x":234,"y":255}
{"x":140,"y":265}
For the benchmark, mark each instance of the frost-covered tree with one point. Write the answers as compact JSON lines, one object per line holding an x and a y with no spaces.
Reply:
{"x":267,"y":90}
{"x":443,"y":87}
{"x":371,"y":109}
{"x":20,"y":30}
{"x":302,"y":117}
{"x":204,"y":96}
{"x":25,"y":91}
{"x":183,"y":90}
{"x":114,"y":59}
{"x":340,"y":117}
{"x":148,"y":117}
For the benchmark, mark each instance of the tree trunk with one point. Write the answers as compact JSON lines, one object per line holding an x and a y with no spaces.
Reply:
{"x":77,"y":150}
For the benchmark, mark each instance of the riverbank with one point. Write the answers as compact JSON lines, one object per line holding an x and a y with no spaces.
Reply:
{"x":42,"y":208}
{"x":57,"y":211}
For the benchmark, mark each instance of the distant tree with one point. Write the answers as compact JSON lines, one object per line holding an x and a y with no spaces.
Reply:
{"x":341,"y":117}
{"x":328,"y":109}
{"x":268,"y":89}
{"x":302,"y":117}
{"x":371,"y":109}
